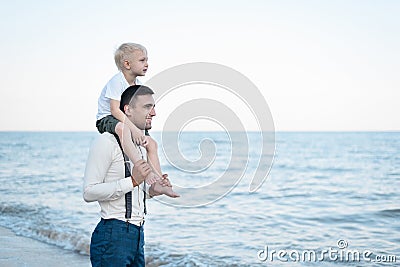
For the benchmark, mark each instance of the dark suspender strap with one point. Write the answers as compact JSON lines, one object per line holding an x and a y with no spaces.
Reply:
{"x":146,"y":132}
{"x":144,"y":198}
{"x":128,"y":196}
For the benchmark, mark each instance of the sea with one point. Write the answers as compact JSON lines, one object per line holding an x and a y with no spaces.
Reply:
{"x":325,"y":198}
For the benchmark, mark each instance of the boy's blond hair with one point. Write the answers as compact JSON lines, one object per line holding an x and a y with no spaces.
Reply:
{"x":125,"y":51}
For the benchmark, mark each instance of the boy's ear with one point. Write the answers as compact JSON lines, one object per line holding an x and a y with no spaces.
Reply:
{"x":127,"y":65}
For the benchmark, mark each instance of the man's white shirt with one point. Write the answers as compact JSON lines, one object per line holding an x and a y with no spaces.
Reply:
{"x":105,"y":181}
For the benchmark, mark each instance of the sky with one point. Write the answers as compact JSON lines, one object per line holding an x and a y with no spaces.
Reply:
{"x":320,"y":65}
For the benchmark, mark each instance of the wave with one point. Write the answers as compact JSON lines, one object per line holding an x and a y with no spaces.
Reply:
{"x":36,"y":223}
{"x":160,"y":257}
{"x":393,"y":213}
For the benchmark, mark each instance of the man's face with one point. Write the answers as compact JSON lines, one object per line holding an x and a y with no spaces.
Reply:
{"x":142,"y":111}
{"x":138,"y":63}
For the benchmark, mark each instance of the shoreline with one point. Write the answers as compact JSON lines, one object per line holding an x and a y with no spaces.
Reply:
{"x":19,"y":251}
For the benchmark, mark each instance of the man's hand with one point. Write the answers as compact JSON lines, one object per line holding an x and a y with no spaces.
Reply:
{"x":140,"y":171}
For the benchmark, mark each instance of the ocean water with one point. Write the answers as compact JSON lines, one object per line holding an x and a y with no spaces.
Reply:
{"x":325,"y":192}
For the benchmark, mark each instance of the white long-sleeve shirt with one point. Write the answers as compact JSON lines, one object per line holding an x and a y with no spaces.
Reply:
{"x":105,"y":181}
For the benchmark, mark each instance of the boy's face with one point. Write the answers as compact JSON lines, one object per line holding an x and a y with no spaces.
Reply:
{"x":137,"y":63}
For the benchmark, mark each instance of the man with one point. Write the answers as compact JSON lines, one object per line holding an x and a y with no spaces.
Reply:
{"x":118,"y":238}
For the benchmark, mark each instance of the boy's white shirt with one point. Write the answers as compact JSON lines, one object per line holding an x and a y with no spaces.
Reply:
{"x":112,"y":90}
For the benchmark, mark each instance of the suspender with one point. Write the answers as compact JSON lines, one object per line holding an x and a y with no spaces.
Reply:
{"x":128,"y":196}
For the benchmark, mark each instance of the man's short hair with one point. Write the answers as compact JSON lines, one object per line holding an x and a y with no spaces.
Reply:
{"x":124,"y":52}
{"x":131,"y":92}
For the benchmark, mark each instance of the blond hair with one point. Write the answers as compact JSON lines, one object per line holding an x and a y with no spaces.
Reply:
{"x":125,"y":51}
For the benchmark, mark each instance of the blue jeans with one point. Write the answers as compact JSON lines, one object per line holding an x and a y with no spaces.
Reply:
{"x":117,"y":243}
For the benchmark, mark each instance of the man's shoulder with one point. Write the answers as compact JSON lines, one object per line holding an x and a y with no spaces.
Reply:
{"x":105,"y":139}
{"x":104,"y":148}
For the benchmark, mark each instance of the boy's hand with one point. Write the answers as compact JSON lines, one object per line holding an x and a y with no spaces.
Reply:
{"x":144,"y":140}
{"x":137,"y":136}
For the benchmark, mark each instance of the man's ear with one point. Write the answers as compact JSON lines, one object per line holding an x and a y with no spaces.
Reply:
{"x":127,"y":110}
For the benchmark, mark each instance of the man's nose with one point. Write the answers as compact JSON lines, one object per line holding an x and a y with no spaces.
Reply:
{"x":152,"y":112}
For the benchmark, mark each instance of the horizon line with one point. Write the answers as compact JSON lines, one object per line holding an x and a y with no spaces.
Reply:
{"x":211,"y":131}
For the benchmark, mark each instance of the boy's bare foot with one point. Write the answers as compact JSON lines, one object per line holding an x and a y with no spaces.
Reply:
{"x":161,"y":188}
{"x":164,"y":186}
{"x":152,"y":178}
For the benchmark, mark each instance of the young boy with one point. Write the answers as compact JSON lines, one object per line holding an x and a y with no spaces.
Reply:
{"x":131,"y":60}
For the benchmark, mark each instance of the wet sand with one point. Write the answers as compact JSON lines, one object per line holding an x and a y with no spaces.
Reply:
{"x":18,"y":251}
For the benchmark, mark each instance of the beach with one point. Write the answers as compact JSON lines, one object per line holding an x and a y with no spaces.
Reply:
{"x":17,"y":251}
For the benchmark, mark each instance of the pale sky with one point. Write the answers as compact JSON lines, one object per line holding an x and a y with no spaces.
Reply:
{"x":321,"y":65}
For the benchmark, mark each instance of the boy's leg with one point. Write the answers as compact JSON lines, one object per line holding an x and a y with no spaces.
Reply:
{"x":112,"y":125}
{"x":152,"y":155}
{"x":154,"y":161}
{"x":127,"y":144}
{"x":106,"y":124}
{"x":130,"y":148}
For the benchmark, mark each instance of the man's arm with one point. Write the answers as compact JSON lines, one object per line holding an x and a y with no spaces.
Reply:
{"x":100,"y":158}
{"x":99,"y":161}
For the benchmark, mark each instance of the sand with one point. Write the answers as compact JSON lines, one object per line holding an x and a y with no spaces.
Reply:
{"x":21,"y":251}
